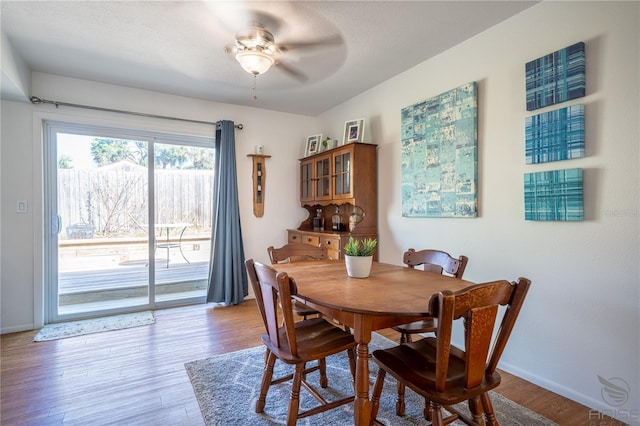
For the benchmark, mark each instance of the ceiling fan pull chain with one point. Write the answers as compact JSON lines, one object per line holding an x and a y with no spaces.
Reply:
{"x":254,"y":97}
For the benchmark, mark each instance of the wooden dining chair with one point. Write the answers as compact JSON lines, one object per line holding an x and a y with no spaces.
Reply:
{"x":297,"y":252}
{"x":431,"y":261}
{"x":296,"y":343}
{"x":446,"y":375}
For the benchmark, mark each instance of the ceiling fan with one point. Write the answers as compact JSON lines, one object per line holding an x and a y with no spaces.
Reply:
{"x":255,"y":48}
{"x":256,"y":51}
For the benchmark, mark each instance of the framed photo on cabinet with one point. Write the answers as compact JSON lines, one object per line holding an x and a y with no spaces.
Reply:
{"x":313,"y":145}
{"x":353,"y":131}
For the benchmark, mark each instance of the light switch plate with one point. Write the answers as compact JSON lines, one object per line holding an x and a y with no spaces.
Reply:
{"x":22,"y":206}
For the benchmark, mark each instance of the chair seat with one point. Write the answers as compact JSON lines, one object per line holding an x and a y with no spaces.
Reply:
{"x":414,"y":364}
{"x":316,"y":338}
{"x":424,"y":326}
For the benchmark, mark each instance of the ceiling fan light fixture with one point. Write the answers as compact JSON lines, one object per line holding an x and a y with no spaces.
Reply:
{"x":254,"y":62}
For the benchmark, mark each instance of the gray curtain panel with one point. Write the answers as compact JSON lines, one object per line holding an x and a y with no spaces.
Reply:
{"x":227,"y":275}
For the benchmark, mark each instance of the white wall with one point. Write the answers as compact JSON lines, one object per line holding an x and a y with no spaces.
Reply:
{"x":17,"y":261}
{"x":282,"y":135}
{"x":581,"y":317}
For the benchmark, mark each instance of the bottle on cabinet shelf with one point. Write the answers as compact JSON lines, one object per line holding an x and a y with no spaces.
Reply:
{"x":336,"y":220}
{"x":318,"y":221}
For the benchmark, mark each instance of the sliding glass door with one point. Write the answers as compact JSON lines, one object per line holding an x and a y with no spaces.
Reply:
{"x":129,"y":220}
{"x":183,"y":181}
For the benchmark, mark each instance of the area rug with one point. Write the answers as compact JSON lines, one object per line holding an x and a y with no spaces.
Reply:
{"x":95,"y":325}
{"x":227,"y":387}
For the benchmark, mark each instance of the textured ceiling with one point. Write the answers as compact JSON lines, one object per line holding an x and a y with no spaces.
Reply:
{"x":177,"y":47}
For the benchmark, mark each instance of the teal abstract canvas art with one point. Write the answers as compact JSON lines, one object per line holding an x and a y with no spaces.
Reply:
{"x":557,"y":77}
{"x":555,"y":135}
{"x":439,"y":155}
{"x":555,"y":195}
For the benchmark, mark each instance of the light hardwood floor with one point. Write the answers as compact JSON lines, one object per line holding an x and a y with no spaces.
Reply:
{"x":137,"y":377}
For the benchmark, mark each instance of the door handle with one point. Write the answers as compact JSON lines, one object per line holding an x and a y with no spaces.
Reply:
{"x":57,"y":224}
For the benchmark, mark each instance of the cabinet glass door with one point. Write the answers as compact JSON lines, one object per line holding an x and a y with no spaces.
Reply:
{"x":323,"y":176}
{"x":306,"y":181}
{"x":342,"y":168}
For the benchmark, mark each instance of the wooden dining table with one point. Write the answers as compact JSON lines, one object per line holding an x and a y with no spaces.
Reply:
{"x":390,"y":296}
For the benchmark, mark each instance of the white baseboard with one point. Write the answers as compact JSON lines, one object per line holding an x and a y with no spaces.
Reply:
{"x":17,"y":328}
{"x":599,"y":407}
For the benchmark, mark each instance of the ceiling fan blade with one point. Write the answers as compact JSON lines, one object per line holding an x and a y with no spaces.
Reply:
{"x":334,"y":40}
{"x":298,"y":75}
{"x":265,"y":20}
{"x":236,"y":16}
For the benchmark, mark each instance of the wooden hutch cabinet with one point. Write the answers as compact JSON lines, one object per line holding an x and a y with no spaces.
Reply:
{"x":341,"y":181}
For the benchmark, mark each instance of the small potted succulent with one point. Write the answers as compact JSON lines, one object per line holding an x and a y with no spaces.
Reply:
{"x":358,"y":256}
{"x":325,"y":143}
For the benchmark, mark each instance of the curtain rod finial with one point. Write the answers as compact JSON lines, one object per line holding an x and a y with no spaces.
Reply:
{"x":239,"y":126}
{"x":35,"y":100}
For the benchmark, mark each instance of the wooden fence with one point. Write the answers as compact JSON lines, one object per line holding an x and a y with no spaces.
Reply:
{"x":113,"y":201}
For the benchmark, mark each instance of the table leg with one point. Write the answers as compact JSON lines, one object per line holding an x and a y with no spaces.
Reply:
{"x":168,"y":246}
{"x":362,"y":403}
{"x":180,"y":245}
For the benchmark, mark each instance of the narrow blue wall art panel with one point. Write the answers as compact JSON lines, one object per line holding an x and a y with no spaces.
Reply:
{"x":556,"y":77}
{"x":439,"y":155}
{"x":555,"y":135}
{"x":555,"y":195}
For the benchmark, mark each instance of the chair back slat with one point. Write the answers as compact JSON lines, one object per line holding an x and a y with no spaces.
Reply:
{"x":480,"y":322}
{"x":274,"y":289}
{"x":257,"y":291}
{"x":286,"y":288}
{"x":445,"y":304}
{"x":436,"y":261}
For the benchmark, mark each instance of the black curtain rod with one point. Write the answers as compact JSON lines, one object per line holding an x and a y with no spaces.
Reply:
{"x":36,"y":100}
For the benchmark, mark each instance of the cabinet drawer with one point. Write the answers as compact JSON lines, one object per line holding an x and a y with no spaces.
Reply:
{"x":312,"y":240}
{"x":330,"y":243}
{"x":294,"y":237}
{"x":302,"y":238}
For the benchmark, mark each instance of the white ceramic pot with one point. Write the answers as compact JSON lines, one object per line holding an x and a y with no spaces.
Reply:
{"x":358,"y":266}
